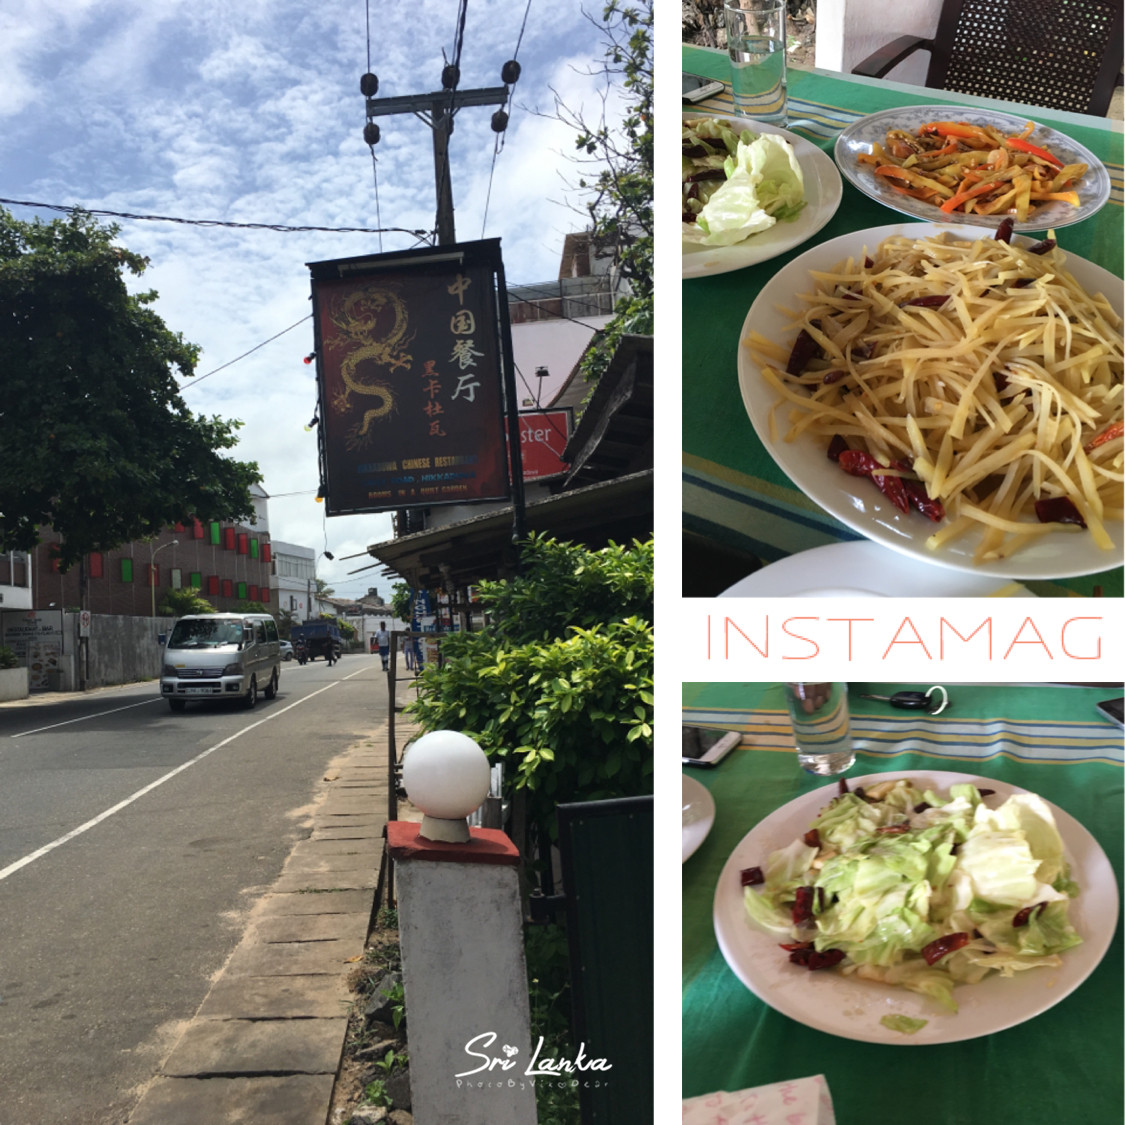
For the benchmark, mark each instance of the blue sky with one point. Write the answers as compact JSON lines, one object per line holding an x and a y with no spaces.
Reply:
{"x":251,"y":112}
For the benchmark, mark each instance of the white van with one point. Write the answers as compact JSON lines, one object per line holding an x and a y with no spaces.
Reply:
{"x":221,"y":656}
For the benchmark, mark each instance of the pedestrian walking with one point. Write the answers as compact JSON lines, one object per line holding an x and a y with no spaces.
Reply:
{"x":408,"y":652}
{"x":383,"y":640}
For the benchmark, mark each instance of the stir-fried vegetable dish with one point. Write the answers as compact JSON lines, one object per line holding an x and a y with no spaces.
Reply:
{"x":974,"y":169}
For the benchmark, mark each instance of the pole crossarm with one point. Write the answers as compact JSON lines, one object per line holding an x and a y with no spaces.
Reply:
{"x":413,"y":103}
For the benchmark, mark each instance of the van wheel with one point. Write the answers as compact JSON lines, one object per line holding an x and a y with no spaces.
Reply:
{"x":177,"y":704}
{"x":251,"y":696}
{"x":271,"y":687}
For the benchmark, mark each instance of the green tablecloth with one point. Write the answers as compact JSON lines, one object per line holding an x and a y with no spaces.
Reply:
{"x":1064,"y":1065}
{"x":733,"y":493}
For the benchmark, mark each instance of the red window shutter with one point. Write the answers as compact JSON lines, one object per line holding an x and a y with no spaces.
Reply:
{"x":228,"y":538}
{"x":153,"y":574}
{"x":253,"y":593}
{"x":178,"y":527}
{"x":213,"y":584}
{"x":96,"y":565}
{"x":243,"y":543}
{"x":196,"y":529}
{"x":228,"y":588}
{"x":264,"y":595}
{"x":265,"y":552}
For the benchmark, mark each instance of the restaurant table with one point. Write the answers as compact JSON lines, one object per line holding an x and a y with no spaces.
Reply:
{"x":1063,"y":1065}
{"x":735,"y":499}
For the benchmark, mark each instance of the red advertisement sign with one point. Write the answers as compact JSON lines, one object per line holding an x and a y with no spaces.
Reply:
{"x":409,"y":368}
{"x":543,"y":437}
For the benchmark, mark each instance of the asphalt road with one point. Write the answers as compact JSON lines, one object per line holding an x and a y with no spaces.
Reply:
{"x":133,"y":842}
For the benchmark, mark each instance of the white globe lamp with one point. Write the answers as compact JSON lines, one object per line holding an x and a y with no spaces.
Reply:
{"x":446,"y":775}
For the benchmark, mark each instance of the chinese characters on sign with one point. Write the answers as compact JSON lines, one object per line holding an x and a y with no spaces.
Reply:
{"x":409,"y":364}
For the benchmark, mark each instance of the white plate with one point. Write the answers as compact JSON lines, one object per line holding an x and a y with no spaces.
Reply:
{"x":823,"y":191}
{"x":860,"y":570}
{"x":1093,"y":188}
{"x":852,"y":1008}
{"x":699,"y":815}
{"x":1056,"y":554}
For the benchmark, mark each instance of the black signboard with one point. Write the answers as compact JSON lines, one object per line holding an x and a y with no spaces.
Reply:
{"x":410,"y":370}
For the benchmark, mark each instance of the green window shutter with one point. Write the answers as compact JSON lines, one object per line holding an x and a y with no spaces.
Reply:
{"x":242,"y":591}
{"x":126,"y":570}
{"x":196,"y":580}
{"x":253,"y":548}
{"x":216,"y":536}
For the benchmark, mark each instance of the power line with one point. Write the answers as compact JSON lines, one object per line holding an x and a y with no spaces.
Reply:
{"x":214,"y":222}
{"x":199,"y":379}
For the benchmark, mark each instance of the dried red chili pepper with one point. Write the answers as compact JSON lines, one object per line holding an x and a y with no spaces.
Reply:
{"x":1024,"y":916}
{"x":1042,"y":247}
{"x":803,"y":905}
{"x":751,"y":876}
{"x":790,"y":947}
{"x":919,"y":498}
{"x":922,"y":806}
{"x":833,"y":377}
{"x":836,"y":446}
{"x":861,"y":464}
{"x":932,"y":302}
{"x":812,"y":838}
{"x":805,"y":349}
{"x":1058,"y":509}
{"x":813,"y":959}
{"x":1004,"y":230}
{"x":936,"y":950}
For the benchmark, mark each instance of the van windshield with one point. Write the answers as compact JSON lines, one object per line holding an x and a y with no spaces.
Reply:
{"x":206,"y":633}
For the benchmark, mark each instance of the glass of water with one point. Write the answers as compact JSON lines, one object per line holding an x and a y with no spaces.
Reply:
{"x":821,"y":727}
{"x":756,"y":42}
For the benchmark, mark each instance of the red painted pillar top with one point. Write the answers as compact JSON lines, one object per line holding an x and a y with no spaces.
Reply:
{"x":486,"y":845}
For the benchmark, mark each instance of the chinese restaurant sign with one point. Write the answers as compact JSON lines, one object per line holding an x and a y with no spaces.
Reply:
{"x":409,"y":367}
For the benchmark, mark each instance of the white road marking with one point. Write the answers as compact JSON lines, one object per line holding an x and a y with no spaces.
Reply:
{"x":83,"y":718}
{"x":12,"y":868}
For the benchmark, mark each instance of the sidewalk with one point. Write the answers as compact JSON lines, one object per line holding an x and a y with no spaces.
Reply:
{"x":267,"y":1041}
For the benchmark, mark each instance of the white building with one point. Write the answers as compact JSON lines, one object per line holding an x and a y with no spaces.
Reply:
{"x":293,"y":581}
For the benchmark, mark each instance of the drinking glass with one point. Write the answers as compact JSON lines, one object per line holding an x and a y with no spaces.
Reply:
{"x":821,"y":727}
{"x":756,"y":42}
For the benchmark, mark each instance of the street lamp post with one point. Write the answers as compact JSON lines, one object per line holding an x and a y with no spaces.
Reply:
{"x":152,"y":568}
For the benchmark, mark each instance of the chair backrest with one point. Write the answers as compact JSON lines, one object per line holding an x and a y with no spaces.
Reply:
{"x":1062,"y":54}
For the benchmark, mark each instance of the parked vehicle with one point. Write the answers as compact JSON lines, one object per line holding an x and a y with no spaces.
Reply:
{"x":320,"y":638}
{"x":221,"y":656}
{"x":286,"y":650}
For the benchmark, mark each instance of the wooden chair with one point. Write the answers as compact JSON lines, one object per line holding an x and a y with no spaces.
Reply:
{"x":1060,"y":54}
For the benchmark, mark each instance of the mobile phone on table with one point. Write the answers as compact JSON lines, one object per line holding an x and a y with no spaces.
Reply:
{"x":707,"y":748}
{"x":698,"y":89}
{"x":1113,"y":709}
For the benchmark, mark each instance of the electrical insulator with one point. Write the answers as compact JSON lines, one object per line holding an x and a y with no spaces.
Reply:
{"x":450,"y":76}
{"x":371,"y":133}
{"x":510,"y":72}
{"x":499,"y":121}
{"x":369,"y":85}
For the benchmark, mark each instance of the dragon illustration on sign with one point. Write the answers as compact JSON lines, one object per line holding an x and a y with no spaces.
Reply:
{"x":373,"y":331}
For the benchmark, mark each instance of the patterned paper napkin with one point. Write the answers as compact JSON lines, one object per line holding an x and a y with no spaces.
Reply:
{"x":803,"y":1101}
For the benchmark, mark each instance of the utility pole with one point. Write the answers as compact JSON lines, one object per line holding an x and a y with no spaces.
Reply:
{"x":438,"y":110}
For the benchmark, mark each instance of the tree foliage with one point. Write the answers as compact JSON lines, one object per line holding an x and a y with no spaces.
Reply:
{"x":402,"y":602}
{"x":560,"y":685}
{"x":95,"y":439}
{"x":620,"y":204}
{"x":179,"y":603}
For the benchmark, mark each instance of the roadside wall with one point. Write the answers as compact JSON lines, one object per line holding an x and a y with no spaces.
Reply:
{"x":123,"y":650}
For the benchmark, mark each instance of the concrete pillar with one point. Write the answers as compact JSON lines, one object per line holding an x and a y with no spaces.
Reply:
{"x":464,"y":978}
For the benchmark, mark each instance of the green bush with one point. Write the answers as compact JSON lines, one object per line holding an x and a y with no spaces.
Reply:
{"x":559,"y":686}
{"x":8,"y":658}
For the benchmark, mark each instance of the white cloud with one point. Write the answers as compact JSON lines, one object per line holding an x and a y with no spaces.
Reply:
{"x":252,"y":113}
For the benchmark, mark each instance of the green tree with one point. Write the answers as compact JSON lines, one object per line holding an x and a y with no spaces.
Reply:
{"x":402,"y":605}
{"x":179,"y":603}
{"x":620,"y":203}
{"x":95,"y":439}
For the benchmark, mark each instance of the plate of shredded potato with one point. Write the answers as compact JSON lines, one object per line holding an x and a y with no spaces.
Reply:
{"x":953,"y":396}
{"x":975,"y":166}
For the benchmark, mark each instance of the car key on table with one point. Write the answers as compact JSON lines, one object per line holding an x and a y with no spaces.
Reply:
{"x":915,"y":700}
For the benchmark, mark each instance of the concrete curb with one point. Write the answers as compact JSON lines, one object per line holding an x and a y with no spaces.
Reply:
{"x":267,"y":1041}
